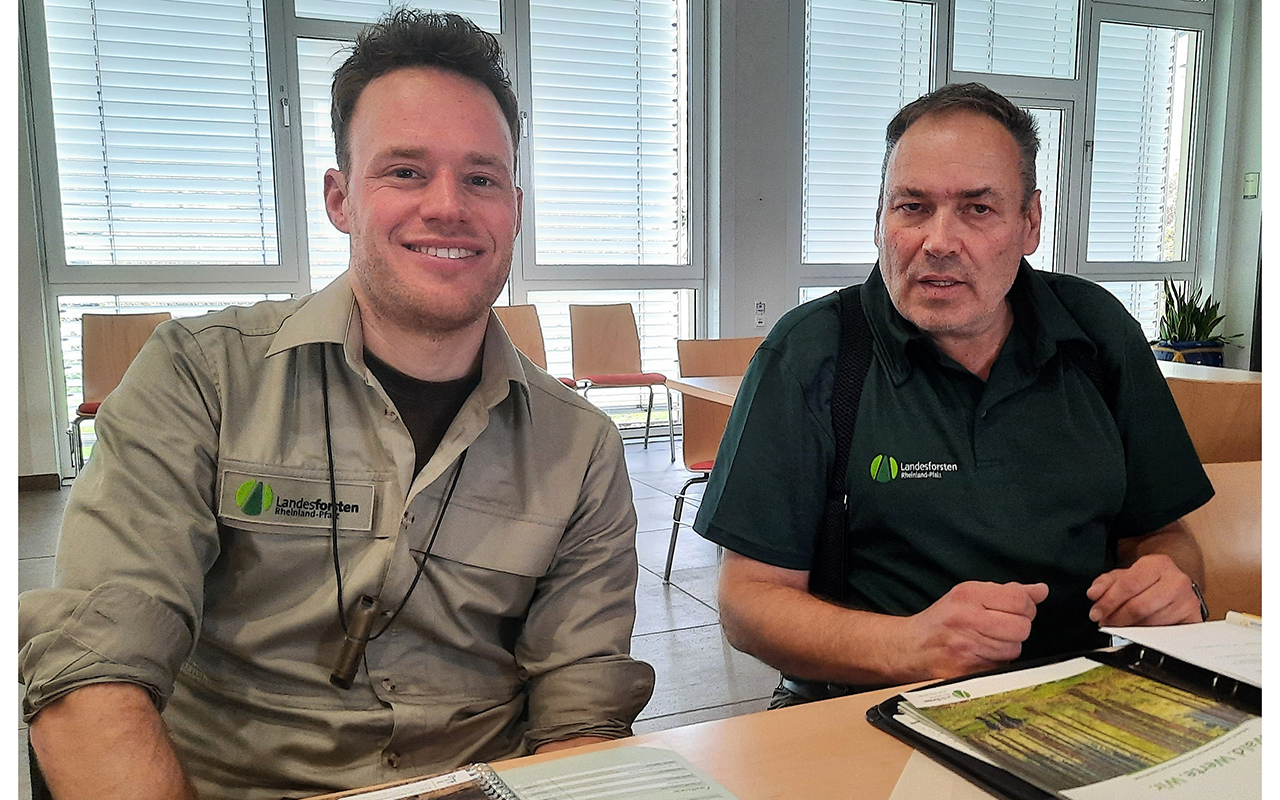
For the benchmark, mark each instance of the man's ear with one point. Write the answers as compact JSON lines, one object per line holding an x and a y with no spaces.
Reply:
{"x":1032,"y":240}
{"x":335,"y":199}
{"x":519,"y":209}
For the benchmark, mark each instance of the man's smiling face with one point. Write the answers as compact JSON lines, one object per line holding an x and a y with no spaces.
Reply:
{"x":429,"y":199}
{"x":954,"y":227}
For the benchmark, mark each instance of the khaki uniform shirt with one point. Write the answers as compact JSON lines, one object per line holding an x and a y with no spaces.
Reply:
{"x":195,"y":560}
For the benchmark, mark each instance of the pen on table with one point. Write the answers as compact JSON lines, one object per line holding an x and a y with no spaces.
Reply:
{"x":1244,"y":620}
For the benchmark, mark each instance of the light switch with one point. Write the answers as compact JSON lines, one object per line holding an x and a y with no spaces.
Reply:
{"x":1250,"y":186}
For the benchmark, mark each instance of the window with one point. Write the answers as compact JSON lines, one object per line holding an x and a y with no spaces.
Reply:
{"x":610,"y":166}
{"x":162,"y":126}
{"x":1141,"y":139}
{"x":190,"y":138}
{"x":864,"y":59}
{"x":1115,"y":88}
{"x":1035,"y":38}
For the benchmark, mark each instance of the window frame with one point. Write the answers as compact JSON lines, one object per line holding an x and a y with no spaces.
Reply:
{"x":1077,"y":97}
{"x":293,"y":274}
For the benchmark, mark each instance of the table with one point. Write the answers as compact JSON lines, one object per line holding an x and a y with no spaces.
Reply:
{"x":721,"y":389}
{"x":818,"y":751}
{"x":1174,"y":369}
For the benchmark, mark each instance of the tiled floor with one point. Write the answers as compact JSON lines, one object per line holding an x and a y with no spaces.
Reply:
{"x":700,"y":677}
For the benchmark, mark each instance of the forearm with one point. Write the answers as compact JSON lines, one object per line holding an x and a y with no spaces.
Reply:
{"x":107,"y":741}
{"x":1173,"y":540}
{"x":806,"y":637}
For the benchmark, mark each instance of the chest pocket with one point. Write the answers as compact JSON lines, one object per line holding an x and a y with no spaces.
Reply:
{"x":276,"y":499}
{"x":493,"y":538}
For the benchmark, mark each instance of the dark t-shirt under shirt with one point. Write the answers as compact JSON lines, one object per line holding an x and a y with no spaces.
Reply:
{"x":427,"y":408}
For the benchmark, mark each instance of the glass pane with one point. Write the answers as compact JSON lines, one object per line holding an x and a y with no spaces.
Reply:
{"x":864,"y":59}
{"x":1017,"y":37}
{"x":1142,"y":138}
{"x":1048,"y":162}
{"x":327,"y":247}
{"x":162,"y":120}
{"x":808,"y":293}
{"x":1144,"y":299}
{"x":662,"y":316}
{"x":610,"y":122}
{"x":485,"y":13}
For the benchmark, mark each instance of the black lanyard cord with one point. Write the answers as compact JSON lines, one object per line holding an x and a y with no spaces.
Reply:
{"x":333,"y":514}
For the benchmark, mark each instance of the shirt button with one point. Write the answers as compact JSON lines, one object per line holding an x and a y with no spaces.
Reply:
{"x":388,"y":684}
{"x":391,"y":760}
{"x":407,"y":519}
{"x":391,"y":414}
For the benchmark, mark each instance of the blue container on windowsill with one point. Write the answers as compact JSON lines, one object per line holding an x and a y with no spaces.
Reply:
{"x":1208,"y":354}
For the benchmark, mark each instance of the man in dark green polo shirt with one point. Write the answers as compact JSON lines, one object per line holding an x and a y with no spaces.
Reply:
{"x":988,"y":476}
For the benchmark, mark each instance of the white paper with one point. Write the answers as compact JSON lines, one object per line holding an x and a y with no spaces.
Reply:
{"x":1218,"y":646}
{"x":995,"y":684}
{"x":925,"y":778}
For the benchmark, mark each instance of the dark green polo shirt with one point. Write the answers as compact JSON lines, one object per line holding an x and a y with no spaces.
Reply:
{"x":1019,"y":478}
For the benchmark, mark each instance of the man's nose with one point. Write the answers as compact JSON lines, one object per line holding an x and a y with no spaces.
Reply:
{"x":942,"y":234}
{"x":443,"y":198}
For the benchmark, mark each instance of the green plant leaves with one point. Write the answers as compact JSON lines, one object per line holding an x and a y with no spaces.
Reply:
{"x":1187,"y":318}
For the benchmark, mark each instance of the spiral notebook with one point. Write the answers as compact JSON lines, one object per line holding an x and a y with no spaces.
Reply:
{"x":620,"y":773}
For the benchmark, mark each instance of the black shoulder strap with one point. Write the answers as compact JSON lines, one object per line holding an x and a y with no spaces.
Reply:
{"x":829,"y":575}
{"x":1089,"y":364}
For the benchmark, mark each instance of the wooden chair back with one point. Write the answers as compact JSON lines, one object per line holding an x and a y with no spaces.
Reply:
{"x":704,"y":421}
{"x":108,"y":345}
{"x":1228,"y":529}
{"x":525,"y":331}
{"x":1224,"y":418}
{"x":605,"y":340}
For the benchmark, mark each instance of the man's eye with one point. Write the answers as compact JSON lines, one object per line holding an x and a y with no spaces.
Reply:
{"x":405,"y":172}
{"x":912,"y":207}
{"x":980,"y":209}
{"x":480,"y":180}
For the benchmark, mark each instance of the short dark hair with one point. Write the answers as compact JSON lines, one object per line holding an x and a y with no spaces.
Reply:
{"x":411,"y":38}
{"x":969,"y":97}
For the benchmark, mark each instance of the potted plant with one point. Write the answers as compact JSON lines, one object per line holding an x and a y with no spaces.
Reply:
{"x":1186,"y":327}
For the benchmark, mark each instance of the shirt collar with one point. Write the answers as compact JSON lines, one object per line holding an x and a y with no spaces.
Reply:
{"x":332,"y":316}
{"x":1037,"y":312}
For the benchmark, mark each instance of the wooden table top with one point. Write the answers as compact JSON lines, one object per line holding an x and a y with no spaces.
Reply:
{"x":720,"y":389}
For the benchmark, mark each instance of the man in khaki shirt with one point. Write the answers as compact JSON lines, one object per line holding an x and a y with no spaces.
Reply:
{"x":269,"y":480}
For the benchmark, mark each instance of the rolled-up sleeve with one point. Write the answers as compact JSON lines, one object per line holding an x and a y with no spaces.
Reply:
{"x":575,"y":645}
{"x":138,"y":535}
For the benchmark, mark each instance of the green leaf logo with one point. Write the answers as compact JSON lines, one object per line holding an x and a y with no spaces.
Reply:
{"x":884,"y":468}
{"x":961,"y":693}
{"x":254,"y":497}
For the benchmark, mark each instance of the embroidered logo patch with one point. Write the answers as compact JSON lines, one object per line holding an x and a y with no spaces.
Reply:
{"x":884,"y":468}
{"x":254,"y":497}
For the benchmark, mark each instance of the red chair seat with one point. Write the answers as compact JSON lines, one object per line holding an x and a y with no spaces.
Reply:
{"x":628,"y":379}
{"x":88,"y":409}
{"x":570,"y":382}
{"x":702,"y":466}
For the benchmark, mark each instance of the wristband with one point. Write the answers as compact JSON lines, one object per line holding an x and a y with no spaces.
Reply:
{"x":1204,"y":607}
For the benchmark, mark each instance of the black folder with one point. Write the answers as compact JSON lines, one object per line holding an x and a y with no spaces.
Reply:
{"x":1133,"y":658}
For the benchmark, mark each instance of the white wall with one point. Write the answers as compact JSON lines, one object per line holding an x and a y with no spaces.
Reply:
{"x":1231,"y":272}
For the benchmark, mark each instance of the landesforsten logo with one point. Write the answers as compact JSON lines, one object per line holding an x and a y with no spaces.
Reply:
{"x":884,"y":468}
{"x":254,"y":497}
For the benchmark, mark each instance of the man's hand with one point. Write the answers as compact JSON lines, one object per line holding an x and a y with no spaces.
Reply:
{"x":976,"y":626}
{"x":1151,"y":592}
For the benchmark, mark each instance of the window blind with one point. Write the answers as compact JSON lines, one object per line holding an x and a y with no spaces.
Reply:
{"x":327,"y":247}
{"x":609,"y":131}
{"x":1016,"y":37}
{"x":1049,"y":126}
{"x":864,"y":59}
{"x":1142,"y":120}
{"x":162,"y":127}
{"x":485,"y":13}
